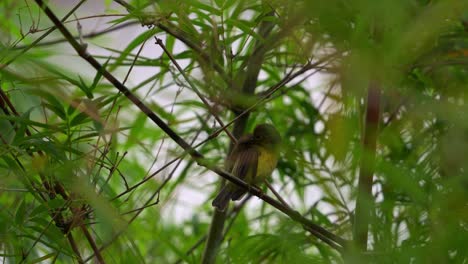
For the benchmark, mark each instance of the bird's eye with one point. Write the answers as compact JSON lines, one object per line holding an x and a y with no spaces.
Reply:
{"x":258,"y":137}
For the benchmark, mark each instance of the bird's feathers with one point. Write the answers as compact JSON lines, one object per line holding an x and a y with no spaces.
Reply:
{"x":222,"y":199}
{"x":250,"y":151}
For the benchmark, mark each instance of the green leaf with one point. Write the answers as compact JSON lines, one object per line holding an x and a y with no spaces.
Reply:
{"x":20,"y":214}
{"x":43,"y":258}
{"x":79,"y":119}
{"x":246,"y":26}
{"x":201,"y":6}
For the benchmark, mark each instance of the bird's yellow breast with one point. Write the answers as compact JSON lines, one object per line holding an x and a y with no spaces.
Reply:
{"x":266,"y":164}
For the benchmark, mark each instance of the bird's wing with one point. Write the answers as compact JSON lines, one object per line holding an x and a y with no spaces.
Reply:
{"x":241,"y":144}
{"x":242,"y":164}
{"x":245,"y":168}
{"x":245,"y":165}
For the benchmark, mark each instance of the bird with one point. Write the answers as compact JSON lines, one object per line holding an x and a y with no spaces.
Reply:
{"x":253,"y":159}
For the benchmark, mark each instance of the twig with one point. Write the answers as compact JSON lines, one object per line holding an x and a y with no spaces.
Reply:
{"x":364,"y":198}
{"x":56,"y":215}
{"x":276,"y":194}
{"x":213,"y":135}
{"x":254,"y":63}
{"x":97,"y":251}
{"x":304,"y":69}
{"x":194,"y":88}
{"x":395,"y":112}
{"x":141,"y":208}
{"x":85,"y":36}
{"x":78,"y":217}
{"x":232,"y":214}
{"x":83,"y":18}
{"x":133,"y":63}
{"x":320,"y":232}
{"x":146,"y":205}
{"x":41,"y":37}
{"x":50,"y":189}
{"x":184,"y":37}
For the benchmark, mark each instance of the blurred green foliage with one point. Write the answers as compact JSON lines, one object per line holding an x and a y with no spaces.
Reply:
{"x":75,"y":153}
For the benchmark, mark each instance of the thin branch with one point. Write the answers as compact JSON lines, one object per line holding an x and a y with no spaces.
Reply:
{"x":125,"y":4}
{"x":394,"y":113}
{"x":97,"y":251}
{"x":147,"y":204}
{"x":232,"y":215}
{"x":41,"y":37}
{"x":77,"y":19}
{"x":263,"y":97}
{"x":57,"y":215}
{"x":77,"y":213}
{"x":177,"y":33}
{"x":254,"y":63}
{"x":134,"y":60}
{"x":195,"y":89}
{"x":122,"y":88}
{"x":278,"y":196}
{"x":326,"y":236}
{"x":85,"y":36}
{"x":364,"y":200}
{"x":141,"y":208}
{"x":304,"y":69}
{"x":75,"y":248}
{"x":50,"y":189}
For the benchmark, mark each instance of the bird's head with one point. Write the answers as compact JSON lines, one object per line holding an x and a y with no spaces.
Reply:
{"x":266,"y":135}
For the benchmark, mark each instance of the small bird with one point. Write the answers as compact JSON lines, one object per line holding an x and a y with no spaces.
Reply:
{"x":252,"y":159}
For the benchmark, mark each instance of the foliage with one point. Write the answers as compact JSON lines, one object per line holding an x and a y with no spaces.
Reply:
{"x":87,"y":175}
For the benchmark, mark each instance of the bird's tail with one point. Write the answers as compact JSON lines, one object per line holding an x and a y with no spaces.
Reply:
{"x":221,"y":201}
